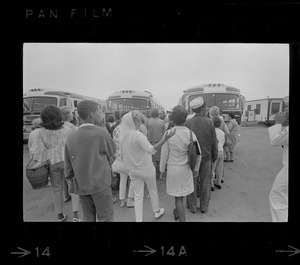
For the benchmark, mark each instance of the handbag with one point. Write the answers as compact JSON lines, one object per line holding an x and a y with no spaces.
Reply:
{"x":38,"y":177}
{"x":193,"y":152}
{"x":120,"y":166}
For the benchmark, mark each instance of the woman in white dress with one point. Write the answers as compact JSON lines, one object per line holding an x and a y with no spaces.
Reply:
{"x":174,"y":156}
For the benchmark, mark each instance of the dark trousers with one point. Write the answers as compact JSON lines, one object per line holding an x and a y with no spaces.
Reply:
{"x":98,"y":206}
{"x":204,"y":182}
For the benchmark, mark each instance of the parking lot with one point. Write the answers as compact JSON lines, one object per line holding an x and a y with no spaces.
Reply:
{"x":243,"y":197}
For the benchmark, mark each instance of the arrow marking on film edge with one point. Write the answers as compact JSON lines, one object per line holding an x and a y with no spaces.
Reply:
{"x":24,"y":253}
{"x":150,"y":250}
{"x":295,"y":251}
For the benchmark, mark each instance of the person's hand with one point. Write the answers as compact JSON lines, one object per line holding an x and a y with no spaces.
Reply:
{"x":195,"y":173}
{"x":280,"y":117}
{"x":169,"y":134}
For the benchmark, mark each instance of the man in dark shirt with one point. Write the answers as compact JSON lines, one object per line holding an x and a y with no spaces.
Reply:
{"x":204,"y":129}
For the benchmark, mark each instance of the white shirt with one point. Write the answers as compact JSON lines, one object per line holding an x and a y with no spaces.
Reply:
{"x":221,"y":138}
{"x":136,"y":150}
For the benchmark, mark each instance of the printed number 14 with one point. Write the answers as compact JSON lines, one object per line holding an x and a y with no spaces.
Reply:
{"x":46,"y":252}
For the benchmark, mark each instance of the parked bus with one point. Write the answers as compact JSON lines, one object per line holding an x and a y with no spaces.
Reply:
{"x":132,"y":99}
{"x":37,"y":98}
{"x":263,"y":110}
{"x":226,"y":98}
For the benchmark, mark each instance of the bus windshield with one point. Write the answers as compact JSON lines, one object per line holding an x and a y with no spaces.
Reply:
{"x":36,"y":104}
{"x":127,"y":103}
{"x":223,"y":101}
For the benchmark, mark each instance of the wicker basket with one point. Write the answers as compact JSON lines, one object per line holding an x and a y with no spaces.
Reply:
{"x":38,"y":177}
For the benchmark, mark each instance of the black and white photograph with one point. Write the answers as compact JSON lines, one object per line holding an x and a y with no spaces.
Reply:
{"x":233,"y":97}
{"x":153,"y":131}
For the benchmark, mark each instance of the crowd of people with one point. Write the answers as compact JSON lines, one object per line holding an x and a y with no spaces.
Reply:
{"x":153,"y":145}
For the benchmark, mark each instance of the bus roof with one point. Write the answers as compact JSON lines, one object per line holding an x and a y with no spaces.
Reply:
{"x":130,"y":93}
{"x":212,"y":88}
{"x":46,"y":92}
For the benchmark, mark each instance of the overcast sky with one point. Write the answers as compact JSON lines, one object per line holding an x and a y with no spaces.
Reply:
{"x":99,"y":69}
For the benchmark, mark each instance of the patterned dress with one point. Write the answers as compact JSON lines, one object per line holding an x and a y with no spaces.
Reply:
{"x":174,"y":156}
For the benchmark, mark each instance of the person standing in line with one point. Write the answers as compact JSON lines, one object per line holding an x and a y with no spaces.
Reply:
{"x":136,"y":151}
{"x":114,"y":184}
{"x":155,"y":131}
{"x":143,"y":128}
{"x":174,"y":156}
{"x":147,"y":115}
{"x":110,"y":122}
{"x":53,"y":137}
{"x":117,"y":120}
{"x":68,"y":117}
{"x":216,"y":112}
{"x":233,"y":128}
{"x":278,"y":196}
{"x":123,"y":178}
{"x":33,"y":146}
{"x":88,"y":151}
{"x":217,"y":166}
{"x":204,"y":129}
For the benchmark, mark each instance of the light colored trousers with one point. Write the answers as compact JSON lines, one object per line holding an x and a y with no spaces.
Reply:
{"x":123,"y":185}
{"x":278,"y":197}
{"x":57,"y":178}
{"x":138,"y":179}
{"x":217,"y":168}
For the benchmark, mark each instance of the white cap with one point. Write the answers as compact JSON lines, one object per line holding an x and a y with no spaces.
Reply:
{"x":196,"y":102}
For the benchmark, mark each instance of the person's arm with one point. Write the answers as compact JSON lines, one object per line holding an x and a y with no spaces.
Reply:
{"x":199,"y":157}
{"x":214,"y":149}
{"x":148,"y":147}
{"x":164,"y":157}
{"x":277,"y":136}
{"x":68,"y":168}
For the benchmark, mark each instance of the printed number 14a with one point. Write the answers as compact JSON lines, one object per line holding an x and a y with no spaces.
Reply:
{"x":171,"y":251}
{"x":46,"y":252}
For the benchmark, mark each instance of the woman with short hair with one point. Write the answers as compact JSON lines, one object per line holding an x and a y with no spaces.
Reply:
{"x":174,"y":156}
{"x":53,"y":136}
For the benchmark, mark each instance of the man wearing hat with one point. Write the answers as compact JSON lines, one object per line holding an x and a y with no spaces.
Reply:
{"x":204,"y":129}
{"x":278,"y":196}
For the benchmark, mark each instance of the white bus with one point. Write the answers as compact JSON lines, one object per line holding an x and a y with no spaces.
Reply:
{"x":37,"y":98}
{"x":132,"y":99}
{"x":227,"y":98}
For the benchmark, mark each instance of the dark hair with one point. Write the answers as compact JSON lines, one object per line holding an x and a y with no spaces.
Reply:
{"x":231,"y":115}
{"x":162,"y":116}
{"x":52,"y":118}
{"x":199,"y":109}
{"x":117,"y":114}
{"x":217,"y":121}
{"x":147,"y":113}
{"x":85,"y":108}
{"x":110,"y":118}
{"x":179,"y":115}
{"x":155,"y":113}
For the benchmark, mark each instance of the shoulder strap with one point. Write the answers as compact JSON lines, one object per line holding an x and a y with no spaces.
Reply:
{"x":191,"y":136}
